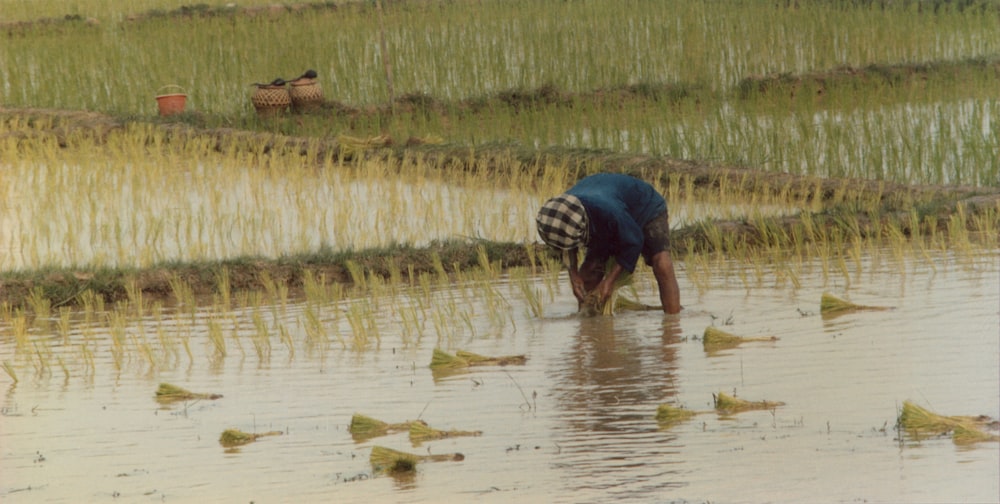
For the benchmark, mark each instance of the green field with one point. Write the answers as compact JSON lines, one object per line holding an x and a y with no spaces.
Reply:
{"x":871,"y":120}
{"x":902,"y":91}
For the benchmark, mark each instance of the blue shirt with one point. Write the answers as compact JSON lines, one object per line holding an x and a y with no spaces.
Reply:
{"x":618,"y":207}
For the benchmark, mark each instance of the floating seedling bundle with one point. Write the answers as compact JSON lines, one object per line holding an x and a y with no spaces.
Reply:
{"x":234,"y":437}
{"x":727,"y":405}
{"x":441,"y":360}
{"x":168,"y":393}
{"x":482,"y":360}
{"x":716,"y":339}
{"x":920,"y":422}
{"x":365,"y":427}
{"x":387,"y":460}
{"x":968,"y":434}
{"x":421,"y":432}
{"x":668,"y":416}
{"x":830,"y":305}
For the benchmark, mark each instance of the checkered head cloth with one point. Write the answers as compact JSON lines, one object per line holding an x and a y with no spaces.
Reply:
{"x":562,"y":222}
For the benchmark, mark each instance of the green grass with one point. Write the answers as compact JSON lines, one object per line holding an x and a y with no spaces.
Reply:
{"x":454,"y":50}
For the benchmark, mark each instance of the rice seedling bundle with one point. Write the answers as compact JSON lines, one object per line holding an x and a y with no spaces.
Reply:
{"x":420,"y":432}
{"x":616,"y":303}
{"x":482,"y":360}
{"x":365,"y":427}
{"x":668,"y":416}
{"x":920,"y":422}
{"x":387,"y":460}
{"x":716,"y":339}
{"x":830,"y":304}
{"x":624,"y":303}
{"x":351,"y":146}
{"x":170,"y":393}
{"x":728,"y":405}
{"x":966,"y":434}
{"x":235,"y":437}
{"x":441,"y":360}
{"x":592,"y":305}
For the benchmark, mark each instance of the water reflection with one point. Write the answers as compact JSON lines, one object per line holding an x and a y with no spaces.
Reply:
{"x":612,"y":365}
{"x":604,"y":383}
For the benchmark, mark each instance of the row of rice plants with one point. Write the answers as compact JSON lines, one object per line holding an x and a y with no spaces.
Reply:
{"x":445,"y":310}
{"x":456,"y":50}
{"x":947,"y":137}
{"x":90,"y":205}
{"x":104,"y":10}
{"x":133,"y":335}
{"x":948,"y":142}
{"x":842,"y":259}
{"x":106,"y":205}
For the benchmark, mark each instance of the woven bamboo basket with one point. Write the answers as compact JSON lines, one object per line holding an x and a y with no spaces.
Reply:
{"x":270,"y":100}
{"x":305,"y":94}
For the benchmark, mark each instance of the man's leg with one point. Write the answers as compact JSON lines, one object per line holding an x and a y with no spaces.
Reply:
{"x":666,"y":279}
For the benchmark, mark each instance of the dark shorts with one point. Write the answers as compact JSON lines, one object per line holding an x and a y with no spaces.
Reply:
{"x":656,"y":237}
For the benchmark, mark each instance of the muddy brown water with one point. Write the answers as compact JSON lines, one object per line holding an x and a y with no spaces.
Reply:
{"x":574,"y":424}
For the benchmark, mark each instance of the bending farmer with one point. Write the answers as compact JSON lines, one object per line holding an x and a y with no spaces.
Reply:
{"x":612,"y":215}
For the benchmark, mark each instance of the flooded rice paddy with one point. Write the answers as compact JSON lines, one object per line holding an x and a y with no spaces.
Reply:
{"x":574,"y":424}
{"x":66,"y":214}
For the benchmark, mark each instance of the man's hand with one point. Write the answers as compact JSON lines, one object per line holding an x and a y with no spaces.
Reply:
{"x":604,"y":291}
{"x":575,"y":278}
{"x":606,"y":287}
{"x":576,"y":281}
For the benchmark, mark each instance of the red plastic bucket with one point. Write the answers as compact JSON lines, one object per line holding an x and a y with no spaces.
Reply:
{"x":172,"y":103}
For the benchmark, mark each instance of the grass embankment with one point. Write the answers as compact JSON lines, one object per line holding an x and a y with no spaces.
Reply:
{"x":63,"y":286}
